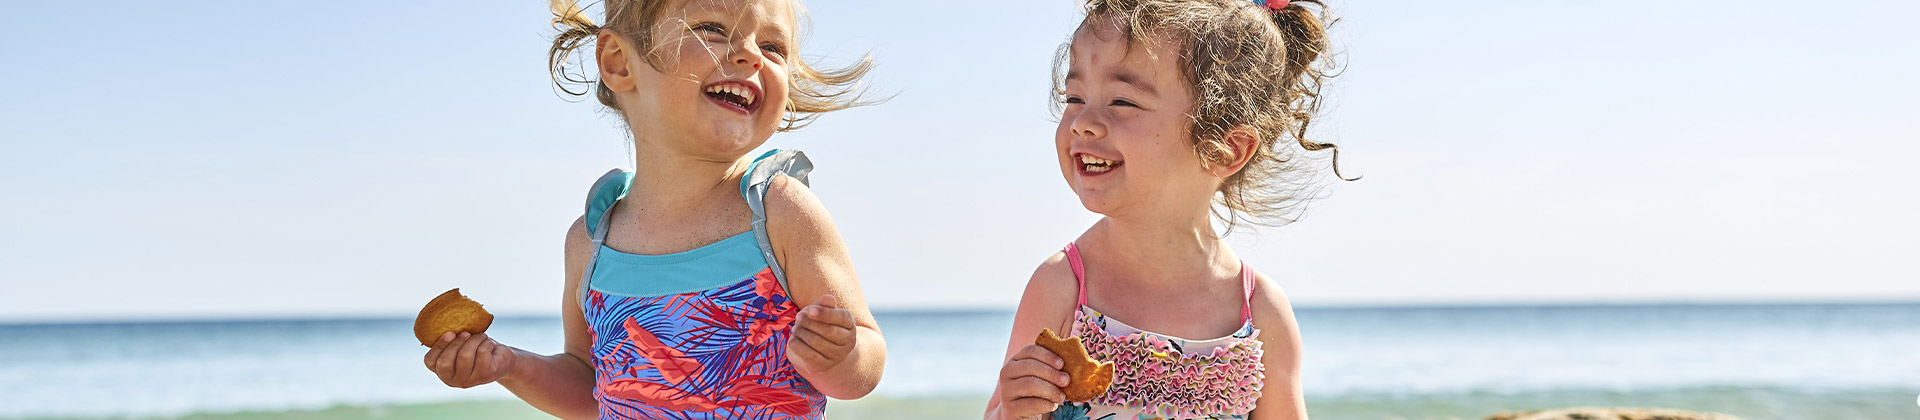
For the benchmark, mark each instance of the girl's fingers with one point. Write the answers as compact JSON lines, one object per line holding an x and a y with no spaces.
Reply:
{"x":1029,"y":368}
{"x":827,"y":349}
{"x":1030,"y":408}
{"x":443,"y":365}
{"x":464,"y":365}
{"x":798,"y":348}
{"x":1041,"y":354}
{"x":830,"y":315}
{"x":840,"y":336}
{"x":439,"y":346}
{"x":1029,"y":387}
{"x":433,"y":353}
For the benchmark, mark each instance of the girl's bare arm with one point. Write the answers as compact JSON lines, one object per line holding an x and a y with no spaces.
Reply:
{"x":836,"y":343}
{"x":1280,"y":396}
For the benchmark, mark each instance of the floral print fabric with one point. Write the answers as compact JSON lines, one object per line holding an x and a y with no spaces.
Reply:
{"x":717,"y":353}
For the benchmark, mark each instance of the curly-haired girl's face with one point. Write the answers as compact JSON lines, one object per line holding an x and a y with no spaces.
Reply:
{"x":1123,"y":141}
{"x":715,"y":80}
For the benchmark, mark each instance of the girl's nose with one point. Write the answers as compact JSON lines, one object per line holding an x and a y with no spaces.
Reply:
{"x":746,"y":57}
{"x":1089,"y":124}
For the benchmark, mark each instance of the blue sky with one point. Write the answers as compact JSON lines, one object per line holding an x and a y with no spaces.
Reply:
{"x":232,"y":159}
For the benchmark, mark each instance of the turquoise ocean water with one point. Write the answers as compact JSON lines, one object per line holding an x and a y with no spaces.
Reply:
{"x":1843,"y":361}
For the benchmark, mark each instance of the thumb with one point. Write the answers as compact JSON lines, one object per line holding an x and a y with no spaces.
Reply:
{"x":828,"y":300}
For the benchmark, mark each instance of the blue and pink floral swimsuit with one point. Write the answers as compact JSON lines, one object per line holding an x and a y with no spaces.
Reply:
{"x":697,"y":334}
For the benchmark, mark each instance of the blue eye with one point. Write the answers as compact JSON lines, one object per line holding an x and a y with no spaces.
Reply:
{"x":776,"y":49}
{"x":711,"y":27}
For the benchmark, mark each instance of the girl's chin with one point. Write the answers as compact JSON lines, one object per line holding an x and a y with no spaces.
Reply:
{"x":1095,"y":201}
{"x":731,"y":134}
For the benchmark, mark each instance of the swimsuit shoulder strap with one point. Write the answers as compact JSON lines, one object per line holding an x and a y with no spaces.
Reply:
{"x":1079,"y":272}
{"x":753,"y":187}
{"x":606,"y":192}
{"x":1246,"y":290}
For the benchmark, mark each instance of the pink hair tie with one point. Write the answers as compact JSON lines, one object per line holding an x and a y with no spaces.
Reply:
{"x":1276,"y":5}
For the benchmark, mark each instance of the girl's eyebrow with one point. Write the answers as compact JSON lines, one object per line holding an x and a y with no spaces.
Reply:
{"x":779,"y":31}
{"x":1122,"y":76}
{"x":1136,"y":81}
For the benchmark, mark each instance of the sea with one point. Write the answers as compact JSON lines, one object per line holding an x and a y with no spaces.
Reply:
{"x":1756,"y":361}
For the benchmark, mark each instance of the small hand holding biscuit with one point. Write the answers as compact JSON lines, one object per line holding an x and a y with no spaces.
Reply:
{"x":823,"y":336}
{"x":460,"y":353}
{"x":1031,"y":383}
{"x":466,"y":360}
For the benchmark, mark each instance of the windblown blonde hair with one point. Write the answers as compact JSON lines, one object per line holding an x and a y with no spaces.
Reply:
{"x":1245,"y":65}
{"x":810,"y":93}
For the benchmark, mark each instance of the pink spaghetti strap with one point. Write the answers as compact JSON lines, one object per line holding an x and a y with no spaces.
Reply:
{"x":1246,"y":287}
{"x":1079,"y":272}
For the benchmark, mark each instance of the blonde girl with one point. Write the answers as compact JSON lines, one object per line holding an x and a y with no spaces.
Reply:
{"x":705,"y":283}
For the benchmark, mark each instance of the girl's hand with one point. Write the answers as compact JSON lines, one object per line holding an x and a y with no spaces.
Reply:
{"x":823,"y":336}
{"x":469,"y":360}
{"x":1030,"y":383}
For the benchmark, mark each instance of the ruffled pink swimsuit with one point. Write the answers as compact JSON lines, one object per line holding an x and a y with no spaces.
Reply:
{"x":1161,"y":376}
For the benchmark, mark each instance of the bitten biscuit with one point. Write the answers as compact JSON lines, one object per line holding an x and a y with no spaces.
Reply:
{"x":1090,"y":377}
{"x":450,"y":312}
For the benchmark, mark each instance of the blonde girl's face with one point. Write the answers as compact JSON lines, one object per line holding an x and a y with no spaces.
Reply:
{"x":721,"y":85}
{"x":1123,"y":141}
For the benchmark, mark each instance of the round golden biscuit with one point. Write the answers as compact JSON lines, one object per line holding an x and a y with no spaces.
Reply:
{"x":1090,"y":377}
{"x":450,"y":312}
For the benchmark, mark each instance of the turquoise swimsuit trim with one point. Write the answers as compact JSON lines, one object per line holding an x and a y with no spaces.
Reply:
{"x":713,"y":265}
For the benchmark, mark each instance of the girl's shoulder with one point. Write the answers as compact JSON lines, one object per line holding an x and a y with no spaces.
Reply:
{"x":1051,"y":296}
{"x":1268,"y":296}
{"x":788,"y":197}
{"x":1054,"y":278}
{"x":781,"y":178}
{"x":793,"y":212}
{"x":1273,"y":313}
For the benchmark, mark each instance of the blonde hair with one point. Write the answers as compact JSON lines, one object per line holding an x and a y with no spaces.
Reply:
{"x":1245,"y":65}
{"x":811,"y":92}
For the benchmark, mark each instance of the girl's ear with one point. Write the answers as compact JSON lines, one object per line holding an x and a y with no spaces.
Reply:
{"x":611,"y":52}
{"x":1240,"y":142}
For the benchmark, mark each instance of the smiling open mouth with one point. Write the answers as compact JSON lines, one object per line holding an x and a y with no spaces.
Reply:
{"x":1094,"y":165}
{"x":741,"y":96}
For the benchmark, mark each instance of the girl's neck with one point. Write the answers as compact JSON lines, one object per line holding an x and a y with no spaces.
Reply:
{"x":669,"y":179}
{"x":1163,"y":251}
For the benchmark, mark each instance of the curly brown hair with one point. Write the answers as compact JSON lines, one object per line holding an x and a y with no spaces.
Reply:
{"x":1246,"y":65}
{"x":811,"y":93}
